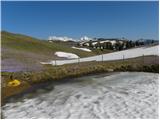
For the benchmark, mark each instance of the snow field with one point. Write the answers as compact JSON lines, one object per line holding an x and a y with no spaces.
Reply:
{"x":84,"y":49}
{"x":121,"y":95}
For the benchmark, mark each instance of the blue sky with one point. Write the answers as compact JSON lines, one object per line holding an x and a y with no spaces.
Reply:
{"x":132,"y":20}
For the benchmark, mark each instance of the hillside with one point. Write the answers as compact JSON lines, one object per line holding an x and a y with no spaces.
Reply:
{"x":21,"y":52}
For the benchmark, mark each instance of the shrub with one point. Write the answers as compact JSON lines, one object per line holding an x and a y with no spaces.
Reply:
{"x":155,"y":68}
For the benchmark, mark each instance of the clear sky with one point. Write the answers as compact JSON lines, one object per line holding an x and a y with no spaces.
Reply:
{"x":132,"y":20}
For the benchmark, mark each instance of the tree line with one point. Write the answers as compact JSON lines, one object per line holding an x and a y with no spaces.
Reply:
{"x":118,"y":45}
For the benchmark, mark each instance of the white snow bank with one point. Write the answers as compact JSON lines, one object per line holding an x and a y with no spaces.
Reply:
{"x":84,"y":49}
{"x":45,"y":63}
{"x":66,"y":55}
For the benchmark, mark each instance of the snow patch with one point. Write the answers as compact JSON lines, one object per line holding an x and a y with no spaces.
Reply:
{"x":93,"y":43}
{"x":84,"y":49}
{"x":66,"y":55}
{"x":111,"y":41}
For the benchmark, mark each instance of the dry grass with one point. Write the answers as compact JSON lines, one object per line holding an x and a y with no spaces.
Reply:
{"x":50,"y":73}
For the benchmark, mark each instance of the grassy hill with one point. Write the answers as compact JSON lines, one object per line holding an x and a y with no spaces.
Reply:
{"x":21,"y":51}
{"x":29,"y":44}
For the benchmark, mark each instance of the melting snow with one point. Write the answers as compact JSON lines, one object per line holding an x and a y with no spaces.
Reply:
{"x":66,"y":55}
{"x":84,"y":49}
{"x":122,"y":95}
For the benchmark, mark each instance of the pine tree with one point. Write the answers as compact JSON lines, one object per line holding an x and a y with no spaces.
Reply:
{"x":90,"y":44}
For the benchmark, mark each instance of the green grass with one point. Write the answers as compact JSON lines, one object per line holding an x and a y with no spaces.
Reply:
{"x":29,"y":44}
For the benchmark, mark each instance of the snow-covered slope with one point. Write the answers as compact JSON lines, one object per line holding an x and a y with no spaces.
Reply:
{"x":84,"y":49}
{"x":131,"y":53}
{"x":66,"y":55}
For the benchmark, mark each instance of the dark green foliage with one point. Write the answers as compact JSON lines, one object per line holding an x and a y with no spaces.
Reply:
{"x":151,"y":68}
{"x":90,"y":44}
{"x":155,"y":68}
{"x":141,"y":68}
